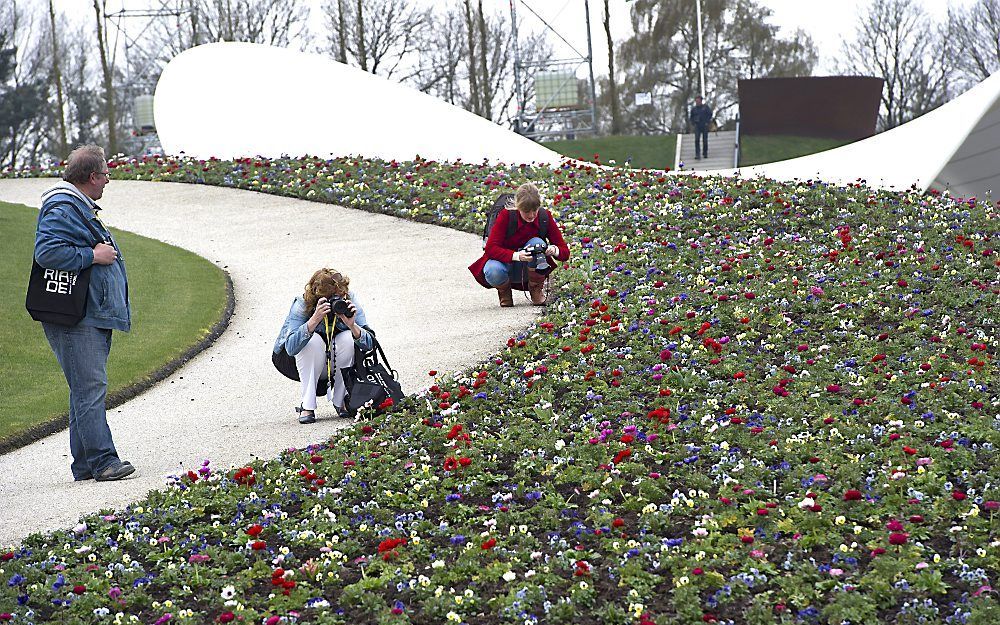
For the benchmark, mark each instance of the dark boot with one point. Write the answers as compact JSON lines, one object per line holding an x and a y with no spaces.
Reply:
{"x":536,"y":287}
{"x":506,"y":297}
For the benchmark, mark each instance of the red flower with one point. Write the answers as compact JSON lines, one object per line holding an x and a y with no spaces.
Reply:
{"x":450,"y":464}
{"x":254,"y":530}
{"x":227,"y":617}
{"x":465,"y":461}
{"x":852,"y":495}
{"x":627,"y":438}
{"x":666,"y":355}
{"x":747,"y":540}
{"x":390,"y":543}
{"x":489,"y":544}
{"x":621,"y":455}
{"x":898,"y":538}
{"x":617,"y":523}
{"x":697,"y":571}
{"x":316,"y":459}
{"x":894,"y":526}
{"x":832,"y":388}
{"x":79,"y":589}
{"x":958,"y":495}
{"x":258,"y":545}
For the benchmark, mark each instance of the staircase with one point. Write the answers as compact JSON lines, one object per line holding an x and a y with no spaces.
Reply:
{"x":721,"y":151}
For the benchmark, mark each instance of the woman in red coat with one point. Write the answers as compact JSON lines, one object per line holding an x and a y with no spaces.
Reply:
{"x":506,"y":263}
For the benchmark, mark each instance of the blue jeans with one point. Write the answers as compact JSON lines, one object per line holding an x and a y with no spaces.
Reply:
{"x":497,"y":272}
{"x":82,"y":352}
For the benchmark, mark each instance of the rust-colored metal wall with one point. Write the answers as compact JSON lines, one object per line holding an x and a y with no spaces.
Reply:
{"x":838,"y":107}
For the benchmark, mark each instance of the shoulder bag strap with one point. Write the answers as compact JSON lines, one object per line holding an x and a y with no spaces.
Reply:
{"x":378,"y":348}
{"x":98,"y":236}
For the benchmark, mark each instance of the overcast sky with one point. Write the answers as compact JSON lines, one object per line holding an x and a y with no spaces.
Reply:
{"x":827,"y":21}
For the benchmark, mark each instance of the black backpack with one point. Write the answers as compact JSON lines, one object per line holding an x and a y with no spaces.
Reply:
{"x":501,"y":203}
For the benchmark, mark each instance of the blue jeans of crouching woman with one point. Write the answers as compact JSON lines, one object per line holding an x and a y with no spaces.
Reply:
{"x":497,"y":272}
{"x":82,"y":352}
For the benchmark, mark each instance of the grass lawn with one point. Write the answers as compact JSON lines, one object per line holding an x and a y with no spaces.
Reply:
{"x":768,"y":149}
{"x":657,"y":151}
{"x":640,"y":151}
{"x":32,"y":387}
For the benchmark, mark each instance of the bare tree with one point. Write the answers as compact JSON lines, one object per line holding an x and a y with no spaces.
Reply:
{"x":378,"y":36}
{"x":22,"y":84}
{"x":616,"y":109}
{"x":486,"y":90}
{"x":106,"y":73}
{"x":975,"y":32}
{"x":451,"y":61}
{"x":897,"y":41}
{"x":60,"y":111}
{"x":274,"y":22}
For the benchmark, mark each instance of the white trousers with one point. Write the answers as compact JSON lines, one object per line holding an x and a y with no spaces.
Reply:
{"x":311,"y":363}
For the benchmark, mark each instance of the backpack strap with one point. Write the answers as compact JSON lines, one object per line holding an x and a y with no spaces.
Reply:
{"x":543,"y":225}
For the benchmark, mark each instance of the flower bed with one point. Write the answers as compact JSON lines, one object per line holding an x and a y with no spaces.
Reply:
{"x":751,"y":402}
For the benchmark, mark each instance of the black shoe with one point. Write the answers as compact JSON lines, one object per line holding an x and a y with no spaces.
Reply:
{"x":114,"y":472}
{"x":697,"y":158}
{"x":345,"y":413}
{"x":304,"y":417}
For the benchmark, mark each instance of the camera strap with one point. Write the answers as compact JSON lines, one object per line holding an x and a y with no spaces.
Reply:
{"x":331,"y":351}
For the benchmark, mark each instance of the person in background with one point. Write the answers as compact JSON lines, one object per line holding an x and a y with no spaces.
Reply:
{"x":701,"y":119}
{"x":507,"y":262}
{"x":63,"y":242}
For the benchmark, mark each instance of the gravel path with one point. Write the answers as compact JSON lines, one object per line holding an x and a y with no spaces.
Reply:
{"x":228,"y":404}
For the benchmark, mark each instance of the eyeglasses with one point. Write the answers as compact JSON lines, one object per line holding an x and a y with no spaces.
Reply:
{"x":106,"y":174}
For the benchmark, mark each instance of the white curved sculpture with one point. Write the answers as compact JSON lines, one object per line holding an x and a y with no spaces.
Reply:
{"x":242,"y":99}
{"x":955,"y":147}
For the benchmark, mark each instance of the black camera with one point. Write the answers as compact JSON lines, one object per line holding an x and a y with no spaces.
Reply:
{"x":538,"y":261}
{"x":339,"y":306}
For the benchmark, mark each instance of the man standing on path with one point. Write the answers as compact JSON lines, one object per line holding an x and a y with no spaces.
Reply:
{"x":701,"y":117}
{"x":63,"y":241}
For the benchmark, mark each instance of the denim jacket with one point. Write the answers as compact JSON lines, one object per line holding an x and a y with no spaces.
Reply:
{"x":63,"y":241}
{"x":294,"y":334}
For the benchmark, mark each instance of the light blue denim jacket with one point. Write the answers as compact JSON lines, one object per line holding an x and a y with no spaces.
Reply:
{"x":64,"y":242}
{"x":295,"y":334}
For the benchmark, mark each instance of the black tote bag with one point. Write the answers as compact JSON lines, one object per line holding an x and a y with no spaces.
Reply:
{"x":57,"y":296}
{"x":369,"y":381}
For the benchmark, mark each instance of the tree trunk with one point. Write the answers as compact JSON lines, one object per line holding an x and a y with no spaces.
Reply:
{"x":109,"y":92}
{"x":473,"y":79}
{"x":486,"y":90}
{"x":341,"y":32}
{"x":57,"y":77}
{"x":616,"y":112}
{"x":195,"y":37}
{"x":361,"y":51}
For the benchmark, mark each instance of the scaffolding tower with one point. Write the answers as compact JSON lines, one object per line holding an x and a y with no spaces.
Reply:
{"x":551,"y":114}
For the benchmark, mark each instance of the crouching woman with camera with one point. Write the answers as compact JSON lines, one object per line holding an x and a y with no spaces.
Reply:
{"x":303,"y":351}
{"x":522,"y":246}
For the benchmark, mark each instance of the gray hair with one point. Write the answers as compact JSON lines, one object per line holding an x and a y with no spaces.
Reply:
{"x":84,"y":161}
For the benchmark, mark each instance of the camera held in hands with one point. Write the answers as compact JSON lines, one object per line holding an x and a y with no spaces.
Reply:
{"x":538,"y":261}
{"x":340,"y":306}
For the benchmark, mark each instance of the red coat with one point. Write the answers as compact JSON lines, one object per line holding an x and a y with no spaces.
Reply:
{"x":499,"y":247}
